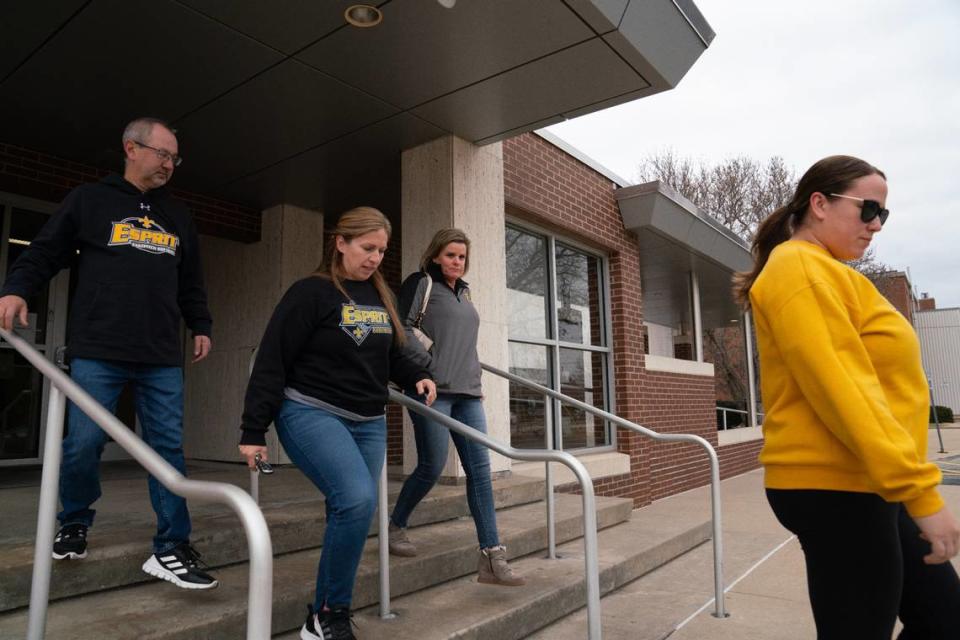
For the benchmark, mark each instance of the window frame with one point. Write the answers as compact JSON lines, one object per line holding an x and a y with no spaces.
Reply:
{"x":555,"y":345}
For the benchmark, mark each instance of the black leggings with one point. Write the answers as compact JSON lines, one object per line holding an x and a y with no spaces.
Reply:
{"x":865,"y":567}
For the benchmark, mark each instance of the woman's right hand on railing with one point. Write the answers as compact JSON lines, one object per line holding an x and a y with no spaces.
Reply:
{"x":250,"y":451}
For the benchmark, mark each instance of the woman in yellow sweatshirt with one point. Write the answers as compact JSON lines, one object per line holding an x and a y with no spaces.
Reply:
{"x":847,"y":417}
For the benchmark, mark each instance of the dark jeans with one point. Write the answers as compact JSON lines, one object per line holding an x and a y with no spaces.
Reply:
{"x":432,"y":442}
{"x":865,"y":567}
{"x":343,"y":458}
{"x":158,"y":393}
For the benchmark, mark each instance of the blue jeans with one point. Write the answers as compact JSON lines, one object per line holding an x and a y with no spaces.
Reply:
{"x":432,"y":455}
{"x":343,"y":458}
{"x":159,"y":402}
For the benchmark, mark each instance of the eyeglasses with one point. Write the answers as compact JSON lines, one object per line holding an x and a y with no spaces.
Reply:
{"x":163,"y":154}
{"x":869,"y":209}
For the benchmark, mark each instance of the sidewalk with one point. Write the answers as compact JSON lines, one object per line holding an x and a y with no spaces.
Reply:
{"x":763,"y":570}
{"x":771,"y":602}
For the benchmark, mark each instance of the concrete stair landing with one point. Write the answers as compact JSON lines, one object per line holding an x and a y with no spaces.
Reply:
{"x":435,"y":594}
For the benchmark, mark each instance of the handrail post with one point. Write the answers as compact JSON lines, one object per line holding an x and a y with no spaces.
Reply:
{"x":384,"y":544}
{"x":719,"y":609}
{"x":548,"y":406}
{"x":260,"y":590}
{"x":255,"y":485}
{"x":711,"y":453}
{"x":46,"y":515}
{"x":590,"y":553}
{"x":260,"y":580}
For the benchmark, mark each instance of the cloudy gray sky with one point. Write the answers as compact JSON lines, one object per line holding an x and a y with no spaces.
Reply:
{"x":878,"y":79}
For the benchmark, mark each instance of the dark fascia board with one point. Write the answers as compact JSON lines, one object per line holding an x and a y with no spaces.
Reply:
{"x":658,"y":206}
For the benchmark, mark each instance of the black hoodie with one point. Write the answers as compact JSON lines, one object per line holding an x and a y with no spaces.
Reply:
{"x":138,"y":271}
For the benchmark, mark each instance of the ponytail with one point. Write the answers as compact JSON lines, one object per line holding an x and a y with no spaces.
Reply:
{"x":775,"y":229}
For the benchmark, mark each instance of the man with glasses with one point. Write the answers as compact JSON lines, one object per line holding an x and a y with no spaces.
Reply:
{"x":134,"y":249}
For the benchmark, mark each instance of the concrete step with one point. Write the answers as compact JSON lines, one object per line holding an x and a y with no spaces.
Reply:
{"x":158,"y":611}
{"x":294,"y":511}
{"x":465,"y":609}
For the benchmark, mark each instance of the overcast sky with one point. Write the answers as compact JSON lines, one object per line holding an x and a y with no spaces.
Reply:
{"x":803,"y":80}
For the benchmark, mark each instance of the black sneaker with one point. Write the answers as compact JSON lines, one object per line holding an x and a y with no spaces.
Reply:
{"x":328,"y":625}
{"x":181,"y":566}
{"x":71,"y":542}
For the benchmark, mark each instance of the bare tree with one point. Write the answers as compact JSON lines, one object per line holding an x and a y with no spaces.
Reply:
{"x":739,"y":191}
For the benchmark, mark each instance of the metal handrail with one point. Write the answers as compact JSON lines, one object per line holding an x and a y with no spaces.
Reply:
{"x":719,"y":611}
{"x":726,"y":409}
{"x":259,"y":602}
{"x":591,"y":562}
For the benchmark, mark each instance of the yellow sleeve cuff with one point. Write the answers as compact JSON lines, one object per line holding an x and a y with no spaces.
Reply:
{"x":927,"y":504}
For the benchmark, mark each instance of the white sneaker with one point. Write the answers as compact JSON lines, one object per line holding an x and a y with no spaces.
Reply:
{"x":180,"y":566}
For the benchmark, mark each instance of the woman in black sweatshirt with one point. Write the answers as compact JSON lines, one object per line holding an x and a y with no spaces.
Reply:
{"x":332,"y":345}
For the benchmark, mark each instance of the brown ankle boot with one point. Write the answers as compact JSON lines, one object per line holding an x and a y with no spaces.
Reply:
{"x":400,"y":544}
{"x":493,"y":568}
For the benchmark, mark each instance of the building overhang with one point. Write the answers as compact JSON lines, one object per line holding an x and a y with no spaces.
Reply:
{"x":287,"y":102}
{"x":677,"y":238}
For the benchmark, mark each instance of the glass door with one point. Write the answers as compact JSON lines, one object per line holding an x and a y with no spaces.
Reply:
{"x":23,"y":391}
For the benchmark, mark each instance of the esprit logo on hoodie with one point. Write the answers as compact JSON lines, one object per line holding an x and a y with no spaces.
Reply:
{"x":359,"y":321}
{"x":143,"y":234}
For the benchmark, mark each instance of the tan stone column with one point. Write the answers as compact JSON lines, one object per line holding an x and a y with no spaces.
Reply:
{"x":452,"y":183}
{"x":244,"y":283}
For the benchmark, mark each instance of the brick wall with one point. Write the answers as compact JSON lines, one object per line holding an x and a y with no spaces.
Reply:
{"x":547,"y":187}
{"x":676,"y":403}
{"x":738,"y":458}
{"x":896,"y":288}
{"x":45,"y":177}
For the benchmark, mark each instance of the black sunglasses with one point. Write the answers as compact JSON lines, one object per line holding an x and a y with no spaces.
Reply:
{"x":869,"y":209}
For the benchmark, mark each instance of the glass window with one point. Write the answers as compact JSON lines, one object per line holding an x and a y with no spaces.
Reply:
{"x":668,"y":318}
{"x":528,"y":410}
{"x":21,"y":385}
{"x":561,"y":344}
{"x":24,"y":225}
{"x":578,"y":297}
{"x":582,"y":377}
{"x":527,"y":289}
{"x":20,"y":396}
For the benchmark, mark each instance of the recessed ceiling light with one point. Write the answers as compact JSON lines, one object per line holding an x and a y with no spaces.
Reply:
{"x":363,"y":15}
{"x":447,"y":4}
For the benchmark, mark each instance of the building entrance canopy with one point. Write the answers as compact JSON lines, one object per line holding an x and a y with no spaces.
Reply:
{"x":286,"y":102}
{"x":677,"y":239}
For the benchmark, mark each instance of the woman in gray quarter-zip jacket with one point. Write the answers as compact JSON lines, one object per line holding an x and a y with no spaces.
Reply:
{"x":452,"y":322}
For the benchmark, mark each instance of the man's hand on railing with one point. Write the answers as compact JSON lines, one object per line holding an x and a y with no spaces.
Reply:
{"x":250,"y":451}
{"x":12,"y":307}
{"x":428,"y":388}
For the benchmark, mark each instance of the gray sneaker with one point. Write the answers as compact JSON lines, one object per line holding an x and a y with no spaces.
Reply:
{"x":492,"y":568}
{"x":400,"y":544}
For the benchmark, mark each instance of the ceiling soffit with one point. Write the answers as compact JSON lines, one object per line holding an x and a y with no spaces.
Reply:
{"x":259,"y":89}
